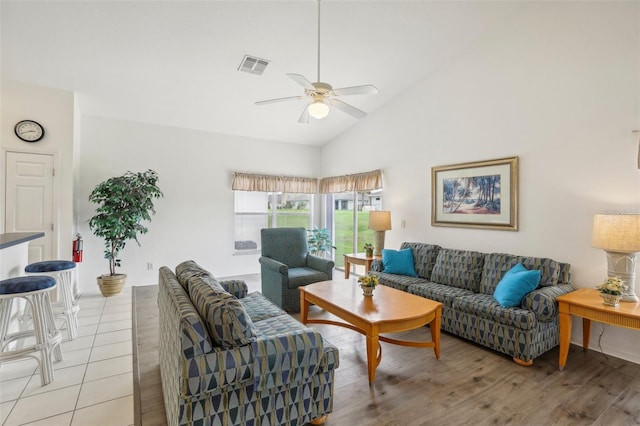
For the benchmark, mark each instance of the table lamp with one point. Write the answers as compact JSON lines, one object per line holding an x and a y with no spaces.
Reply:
{"x":379,"y":221}
{"x":619,"y":236}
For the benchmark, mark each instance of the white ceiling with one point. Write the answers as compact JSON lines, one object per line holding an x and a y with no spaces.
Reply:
{"x":175,"y":62}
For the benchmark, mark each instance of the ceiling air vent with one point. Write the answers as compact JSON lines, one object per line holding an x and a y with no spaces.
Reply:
{"x":253,"y":65}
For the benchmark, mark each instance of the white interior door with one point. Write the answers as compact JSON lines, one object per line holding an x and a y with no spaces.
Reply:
{"x":29,"y":200}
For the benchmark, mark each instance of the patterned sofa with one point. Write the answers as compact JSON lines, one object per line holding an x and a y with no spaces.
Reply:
{"x":232,"y":358}
{"x":464,"y":281}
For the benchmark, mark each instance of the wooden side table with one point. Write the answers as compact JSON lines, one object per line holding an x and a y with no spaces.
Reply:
{"x":358,"y":259}
{"x":587,"y":303}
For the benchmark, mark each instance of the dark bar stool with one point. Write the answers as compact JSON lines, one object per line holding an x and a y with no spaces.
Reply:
{"x":35,"y":290}
{"x":62,"y":272}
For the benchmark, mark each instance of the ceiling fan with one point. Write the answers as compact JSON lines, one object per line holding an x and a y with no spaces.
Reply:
{"x":322,"y":95}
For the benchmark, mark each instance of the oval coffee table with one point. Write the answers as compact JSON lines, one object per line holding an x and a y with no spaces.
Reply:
{"x":388,"y":311}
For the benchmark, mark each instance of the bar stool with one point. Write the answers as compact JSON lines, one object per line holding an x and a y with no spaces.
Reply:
{"x":61,"y":271}
{"x":35,"y":290}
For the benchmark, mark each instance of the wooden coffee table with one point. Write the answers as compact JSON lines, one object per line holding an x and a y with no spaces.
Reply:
{"x":388,"y":311}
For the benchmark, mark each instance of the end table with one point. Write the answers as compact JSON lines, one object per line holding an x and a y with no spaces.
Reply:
{"x":358,"y":259}
{"x":587,"y":303}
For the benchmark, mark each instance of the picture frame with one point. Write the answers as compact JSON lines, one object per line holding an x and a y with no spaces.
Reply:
{"x":481,"y":194}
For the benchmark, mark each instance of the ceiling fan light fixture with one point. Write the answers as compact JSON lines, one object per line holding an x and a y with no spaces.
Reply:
{"x":322,"y":95}
{"x":318,"y":109}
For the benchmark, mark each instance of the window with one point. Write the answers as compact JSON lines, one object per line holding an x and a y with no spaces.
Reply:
{"x":350,"y":221}
{"x":257,"y":210}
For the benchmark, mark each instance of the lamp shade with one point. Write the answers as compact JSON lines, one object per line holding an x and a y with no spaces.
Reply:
{"x":617,"y":232}
{"x":380,"y":220}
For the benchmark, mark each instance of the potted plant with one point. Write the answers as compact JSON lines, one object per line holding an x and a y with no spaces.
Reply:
{"x":319,"y":241}
{"x":368,"y":283}
{"x":368,"y":249}
{"x":124,"y":203}
{"x":611,"y":290}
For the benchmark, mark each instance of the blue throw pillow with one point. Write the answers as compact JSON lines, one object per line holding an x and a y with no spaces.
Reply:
{"x":398,"y":262}
{"x":516,"y":283}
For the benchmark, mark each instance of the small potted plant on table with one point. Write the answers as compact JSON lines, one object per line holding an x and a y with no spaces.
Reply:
{"x":611,"y":291}
{"x":368,"y":283}
{"x":124,"y":203}
{"x":368,"y":249}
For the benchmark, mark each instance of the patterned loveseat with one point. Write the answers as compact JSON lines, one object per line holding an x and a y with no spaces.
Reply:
{"x":232,"y":358}
{"x":464,"y":281}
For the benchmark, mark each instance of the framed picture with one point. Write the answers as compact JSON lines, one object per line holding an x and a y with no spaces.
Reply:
{"x":482,"y":194}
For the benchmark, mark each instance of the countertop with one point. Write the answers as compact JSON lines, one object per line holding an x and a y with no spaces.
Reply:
{"x":15,"y":238}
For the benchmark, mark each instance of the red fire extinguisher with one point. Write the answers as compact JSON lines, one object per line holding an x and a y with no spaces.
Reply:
{"x":77,"y":249}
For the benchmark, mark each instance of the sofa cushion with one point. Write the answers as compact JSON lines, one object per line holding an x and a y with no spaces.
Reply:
{"x":549,"y":269}
{"x":485,"y":306}
{"x":564,"y":276}
{"x":399,"y":262}
{"x":444,"y":294}
{"x":189,"y":269}
{"x":515,"y":284}
{"x":194,"y":336}
{"x":401,"y":282}
{"x":424,"y":257}
{"x":458,"y":268}
{"x":226,"y":319}
{"x":259,"y":307}
{"x":497,"y":264}
{"x":304,"y":276}
{"x":281,"y":324}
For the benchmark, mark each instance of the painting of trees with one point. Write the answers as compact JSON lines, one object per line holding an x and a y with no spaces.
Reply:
{"x":472,"y":195}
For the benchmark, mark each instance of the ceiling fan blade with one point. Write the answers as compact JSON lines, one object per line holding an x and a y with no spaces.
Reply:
{"x":302,"y":81}
{"x":304,"y":117}
{"x":289,"y":98}
{"x":351,"y":110}
{"x":366,"y":89}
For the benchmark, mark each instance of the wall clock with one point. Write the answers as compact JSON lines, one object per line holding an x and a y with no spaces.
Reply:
{"x":29,"y":130}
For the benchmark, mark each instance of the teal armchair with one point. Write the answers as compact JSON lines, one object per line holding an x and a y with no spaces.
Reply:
{"x":286,"y":264}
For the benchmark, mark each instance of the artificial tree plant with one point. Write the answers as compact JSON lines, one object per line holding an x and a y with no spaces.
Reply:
{"x":124,"y":203}
{"x":319,"y":241}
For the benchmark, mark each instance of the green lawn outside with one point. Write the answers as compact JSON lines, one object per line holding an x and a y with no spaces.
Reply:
{"x":343,"y":240}
{"x":344,"y":233}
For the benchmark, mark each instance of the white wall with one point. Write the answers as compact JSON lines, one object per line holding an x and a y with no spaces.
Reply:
{"x":195,"y":218}
{"x":54,"y":110}
{"x":557,"y":86}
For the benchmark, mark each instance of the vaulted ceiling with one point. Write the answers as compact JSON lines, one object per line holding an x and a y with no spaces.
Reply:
{"x":176,"y":62}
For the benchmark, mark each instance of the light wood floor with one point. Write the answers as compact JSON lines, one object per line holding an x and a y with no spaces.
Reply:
{"x":468,"y":385}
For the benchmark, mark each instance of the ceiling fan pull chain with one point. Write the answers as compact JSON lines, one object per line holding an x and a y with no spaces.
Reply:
{"x":318,"y":41}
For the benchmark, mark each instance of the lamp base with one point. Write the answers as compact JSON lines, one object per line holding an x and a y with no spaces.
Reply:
{"x":379,"y":236}
{"x":623,"y":265}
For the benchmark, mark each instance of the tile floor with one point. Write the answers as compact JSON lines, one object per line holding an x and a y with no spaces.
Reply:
{"x":93,"y":384}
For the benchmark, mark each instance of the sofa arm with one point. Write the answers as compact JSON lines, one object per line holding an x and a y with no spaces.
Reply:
{"x":321,"y":264}
{"x":274,"y":265}
{"x":237,"y":288}
{"x":215,"y":370}
{"x":286,"y":358}
{"x":542,"y":302}
{"x":377,"y":265}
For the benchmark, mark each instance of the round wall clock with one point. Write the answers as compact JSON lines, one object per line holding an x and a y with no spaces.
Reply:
{"x":29,"y":130}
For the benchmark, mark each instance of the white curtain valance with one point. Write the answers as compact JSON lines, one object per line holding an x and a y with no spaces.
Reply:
{"x":359,"y":182}
{"x":267,"y":183}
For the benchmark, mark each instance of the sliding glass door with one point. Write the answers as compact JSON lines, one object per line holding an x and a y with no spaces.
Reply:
{"x":349,"y":219}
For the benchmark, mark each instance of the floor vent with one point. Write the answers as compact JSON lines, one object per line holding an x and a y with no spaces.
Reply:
{"x":253,"y":65}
